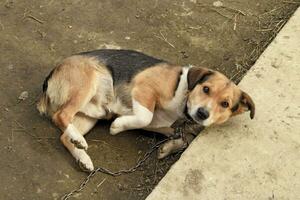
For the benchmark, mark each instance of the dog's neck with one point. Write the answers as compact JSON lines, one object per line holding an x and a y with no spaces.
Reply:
{"x":181,"y":93}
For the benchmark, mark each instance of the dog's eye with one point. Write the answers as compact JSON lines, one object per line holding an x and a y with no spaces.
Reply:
{"x":206,"y":89}
{"x":224,"y":104}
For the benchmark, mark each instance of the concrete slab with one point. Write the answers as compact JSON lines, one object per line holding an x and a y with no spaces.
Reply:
{"x":244,"y":159}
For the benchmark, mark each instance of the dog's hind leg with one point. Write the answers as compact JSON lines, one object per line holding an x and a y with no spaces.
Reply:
{"x":64,"y":116}
{"x":83,"y":124}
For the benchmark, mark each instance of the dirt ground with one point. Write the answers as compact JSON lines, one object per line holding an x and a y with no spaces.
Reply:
{"x":36,"y":34}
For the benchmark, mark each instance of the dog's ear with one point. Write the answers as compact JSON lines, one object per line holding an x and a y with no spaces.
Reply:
{"x":197,"y":75}
{"x":245,"y":104}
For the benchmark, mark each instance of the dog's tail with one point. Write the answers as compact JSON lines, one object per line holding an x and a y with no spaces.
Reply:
{"x":42,"y":104}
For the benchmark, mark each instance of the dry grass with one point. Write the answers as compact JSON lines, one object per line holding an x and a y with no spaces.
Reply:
{"x":269,"y":24}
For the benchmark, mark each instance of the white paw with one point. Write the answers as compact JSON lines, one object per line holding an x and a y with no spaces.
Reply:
{"x":116,"y":127}
{"x":85,"y":163}
{"x":79,"y":142}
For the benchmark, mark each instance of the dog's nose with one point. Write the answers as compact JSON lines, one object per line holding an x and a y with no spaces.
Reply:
{"x":202,"y":114}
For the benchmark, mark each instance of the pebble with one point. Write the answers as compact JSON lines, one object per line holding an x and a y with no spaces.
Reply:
{"x":218,"y":3}
{"x":140,"y":194}
{"x":10,"y":67}
{"x":24,"y":95}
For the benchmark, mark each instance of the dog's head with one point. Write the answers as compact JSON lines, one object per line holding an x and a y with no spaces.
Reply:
{"x":213,"y":98}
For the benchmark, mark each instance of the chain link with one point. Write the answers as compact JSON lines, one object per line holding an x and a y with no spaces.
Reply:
{"x":111,"y":173}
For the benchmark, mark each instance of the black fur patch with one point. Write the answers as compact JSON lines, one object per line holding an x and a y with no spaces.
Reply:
{"x":205,"y":77}
{"x":236,"y":106}
{"x":177,"y":83}
{"x":201,"y":79}
{"x":123,"y":64}
{"x":45,"y":84}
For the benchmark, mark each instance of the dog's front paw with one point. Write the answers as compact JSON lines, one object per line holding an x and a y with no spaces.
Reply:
{"x":85,"y":163}
{"x":116,"y":127}
{"x":79,"y":142}
{"x":162,"y":152}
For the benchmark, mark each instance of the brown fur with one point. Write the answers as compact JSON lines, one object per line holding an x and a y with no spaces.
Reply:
{"x":75,"y":77}
{"x":81,"y":91}
{"x":221,"y":89}
{"x":159,"y":82}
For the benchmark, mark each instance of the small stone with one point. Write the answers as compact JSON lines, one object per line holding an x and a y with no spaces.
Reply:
{"x":70,"y":26}
{"x":6,"y":109}
{"x":140,"y":194}
{"x":67,"y":175}
{"x":127,"y":38}
{"x":120,"y":187}
{"x":54,"y":195}
{"x":24,"y":95}
{"x":39,"y":190}
{"x":10,"y":67}
{"x":9,"y":4}
{"x":218,"y":3}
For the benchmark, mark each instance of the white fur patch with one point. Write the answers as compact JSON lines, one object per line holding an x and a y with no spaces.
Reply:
{"x":117,"y":107}
{"x":83,"y":158}
{"x":141,"y":118}
{"x":169,"y":114}
{"x":178,"y":102}
{"x":208,"y":121}
{"x":80,"y":155}
{"x":75,"y":137}
{"x":93,"y":110}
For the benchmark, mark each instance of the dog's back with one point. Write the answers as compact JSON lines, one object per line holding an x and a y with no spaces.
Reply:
{"x":123,"y":64}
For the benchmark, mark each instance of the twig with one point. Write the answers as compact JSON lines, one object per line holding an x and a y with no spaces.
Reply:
{"x":195,"y":28}
{"x":155,"y":171}
{"x":234,"y":23}
{"x":234,"y":75}
{"x":2,"y":26}
{"x":163,"y":38}
{"x":279,"y":27}
{"x":23,"y":129}
{"x":235,"y":10}
{"x":225,"y":7}
{"x":26,"y":15}
{"x":12,"y":136}
{"x":264,"y":30}
{"x":270,"y":11}
{"x":101,"y":182}
{"x":221,"y":13}
{"x":105,"y":143}
{"x":19,"y":124}
{"x":34,"y":18}
{"x":292,"y":2}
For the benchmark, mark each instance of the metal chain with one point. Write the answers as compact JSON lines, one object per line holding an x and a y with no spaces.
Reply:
{"x":109,"y":172}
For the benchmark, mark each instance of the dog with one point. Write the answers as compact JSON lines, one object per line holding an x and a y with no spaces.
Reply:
{"x":137,"y":91}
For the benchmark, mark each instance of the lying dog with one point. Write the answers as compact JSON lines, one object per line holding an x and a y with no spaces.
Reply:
{"x":138,"y":92}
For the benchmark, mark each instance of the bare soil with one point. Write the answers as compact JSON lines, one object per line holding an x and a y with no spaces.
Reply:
{"x":36,"y":34}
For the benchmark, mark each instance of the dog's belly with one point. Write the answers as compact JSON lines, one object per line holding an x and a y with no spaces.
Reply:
{"x":163,"y":119}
